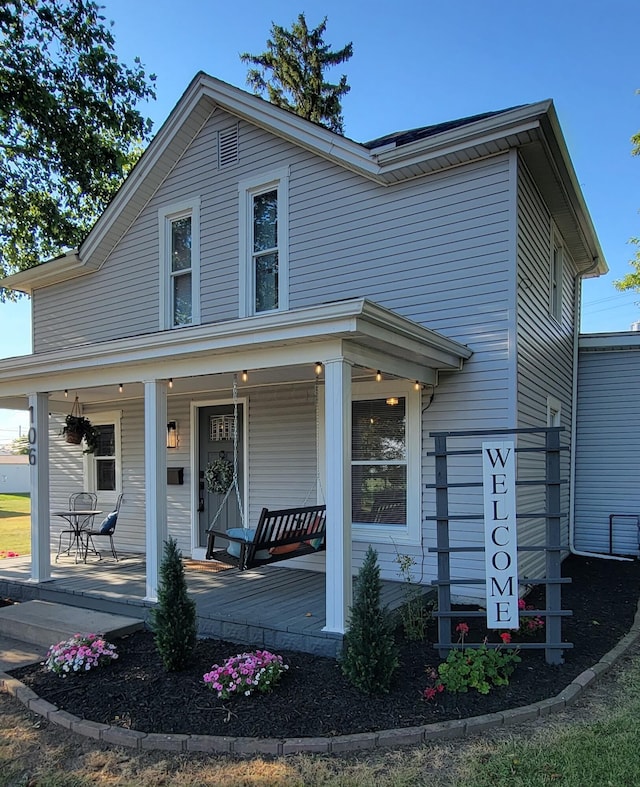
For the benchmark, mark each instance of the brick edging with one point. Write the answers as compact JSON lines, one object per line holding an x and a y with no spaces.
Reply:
{"x":406,"y":736}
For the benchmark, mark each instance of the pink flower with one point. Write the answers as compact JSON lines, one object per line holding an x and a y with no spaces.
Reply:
{"x":462,"y":629}
{"x":505,"y":637}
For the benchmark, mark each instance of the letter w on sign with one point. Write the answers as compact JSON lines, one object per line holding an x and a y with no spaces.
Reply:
{"x":500,"y":534}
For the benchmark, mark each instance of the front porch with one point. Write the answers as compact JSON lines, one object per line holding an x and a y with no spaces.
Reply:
{"x":273,"y":607}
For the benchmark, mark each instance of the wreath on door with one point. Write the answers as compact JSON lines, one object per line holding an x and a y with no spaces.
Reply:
{"x":218,"y":475}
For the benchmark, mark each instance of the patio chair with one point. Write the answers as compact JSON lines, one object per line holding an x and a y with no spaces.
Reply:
{"x":78,"y":501}
{"x":106,"y":529}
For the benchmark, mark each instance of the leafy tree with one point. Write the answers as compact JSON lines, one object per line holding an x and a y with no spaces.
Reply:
{"x":174,"y":617}
{"x":632,"y":280}
{"x":69,"y":127}
{"x":295,"y":61}
{"x":370,"y":655}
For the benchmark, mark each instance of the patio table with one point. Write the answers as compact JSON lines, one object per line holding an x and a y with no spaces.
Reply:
{"x":77,"y":520}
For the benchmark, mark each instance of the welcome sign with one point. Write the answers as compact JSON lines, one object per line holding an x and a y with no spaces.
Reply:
{"x":500,"y":535}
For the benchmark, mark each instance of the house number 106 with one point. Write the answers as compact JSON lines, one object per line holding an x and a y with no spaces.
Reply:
{"x":31,"y":439}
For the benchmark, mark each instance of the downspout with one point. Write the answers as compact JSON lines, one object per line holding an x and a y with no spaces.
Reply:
{"x":574,"y":426}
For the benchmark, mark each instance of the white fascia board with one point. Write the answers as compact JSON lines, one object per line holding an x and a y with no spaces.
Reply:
{"x":560,"y":154}
{"x":304,"y":329}
{"x":515,"y":121}
{"x":412,"y":331}
{"x":290,"y":126}
{"x":59,"y":269}
{"x":618,"y":340}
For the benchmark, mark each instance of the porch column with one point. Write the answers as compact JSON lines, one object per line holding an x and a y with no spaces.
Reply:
{"x":39,"y":487}
{"x":338,"y":493}
{"x":155,"y":479}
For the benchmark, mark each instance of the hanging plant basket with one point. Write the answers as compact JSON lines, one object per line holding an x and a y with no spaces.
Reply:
{"x":78,"y":428}
{"x":218,"y":476}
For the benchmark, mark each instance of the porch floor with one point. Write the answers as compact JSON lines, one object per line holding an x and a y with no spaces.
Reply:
{"x":270,"y":606}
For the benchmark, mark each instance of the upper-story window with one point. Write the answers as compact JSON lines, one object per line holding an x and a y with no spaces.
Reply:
{"x":264,"y":243}
{"x":555,"y":282}
{"x":179,"y":229}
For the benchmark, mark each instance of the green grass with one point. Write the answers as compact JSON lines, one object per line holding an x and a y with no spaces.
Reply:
{"x":15,"y":524}
{"x":603,"y":753}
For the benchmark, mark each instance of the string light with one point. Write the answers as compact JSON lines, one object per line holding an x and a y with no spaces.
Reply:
{"x":120,"y":388}
{"x":417,"y":386}
{"x":245,"y":375}
{"x":318,"y":368}
{"x":378,"y":376}
{"x":171,"y":382}
{"x":66,"y":393}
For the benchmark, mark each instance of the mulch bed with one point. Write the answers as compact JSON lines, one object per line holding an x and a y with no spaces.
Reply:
{"x":314,"y":699}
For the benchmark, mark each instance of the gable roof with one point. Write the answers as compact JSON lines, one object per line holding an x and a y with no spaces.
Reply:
{"x":532,"y":128}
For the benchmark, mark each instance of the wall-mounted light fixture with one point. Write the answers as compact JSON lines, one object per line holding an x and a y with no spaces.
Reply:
{"x":172,"y":434}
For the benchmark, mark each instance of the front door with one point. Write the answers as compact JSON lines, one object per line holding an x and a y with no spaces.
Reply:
{"x":216,"y":429}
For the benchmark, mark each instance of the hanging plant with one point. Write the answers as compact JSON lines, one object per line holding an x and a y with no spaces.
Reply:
{"x":218,"y":475}
{"x":78,"y":428}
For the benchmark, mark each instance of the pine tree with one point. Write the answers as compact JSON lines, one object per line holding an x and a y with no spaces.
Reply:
{"x":370,"y":656}
{"x":296,"y":60}
{"x":174,"y":618}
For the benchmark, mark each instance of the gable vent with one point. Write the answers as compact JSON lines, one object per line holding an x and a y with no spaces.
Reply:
{"x":228,"y":146}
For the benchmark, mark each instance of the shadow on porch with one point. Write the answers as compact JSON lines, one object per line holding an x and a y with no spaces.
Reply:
{"x":270,"y":606}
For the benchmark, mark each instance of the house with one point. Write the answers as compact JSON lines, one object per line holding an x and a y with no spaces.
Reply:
{"x":14,"y":474}
{"x":607,"y":496}
{"x":337,"y":301}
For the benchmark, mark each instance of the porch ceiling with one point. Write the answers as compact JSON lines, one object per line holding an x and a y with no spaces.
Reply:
{"x":276,"y":345}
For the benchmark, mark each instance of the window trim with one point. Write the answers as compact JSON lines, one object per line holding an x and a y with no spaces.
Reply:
{"x":114,"y":418}
{"x":556,"y":275}
{"x":411,"y":532}
{"x":249,"y":188}
{"x":166,"y":216}
{"x":554,"y":411}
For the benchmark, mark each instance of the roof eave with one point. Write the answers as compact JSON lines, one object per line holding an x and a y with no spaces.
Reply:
{"x":60,"y":269}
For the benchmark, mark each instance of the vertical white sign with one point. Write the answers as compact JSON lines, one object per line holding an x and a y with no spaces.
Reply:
{"x":500,"y":535}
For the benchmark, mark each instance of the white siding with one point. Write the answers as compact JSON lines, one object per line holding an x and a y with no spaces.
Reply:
{"x":434,"y":249}
{"x":607,"y":459}
{"x":438,"y":250}
{"x":545,"y":361}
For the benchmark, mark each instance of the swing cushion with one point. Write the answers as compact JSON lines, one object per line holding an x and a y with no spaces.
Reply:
{"x":246,"y":535}
{"x":316,"y":543}
{"x":285,"y":548}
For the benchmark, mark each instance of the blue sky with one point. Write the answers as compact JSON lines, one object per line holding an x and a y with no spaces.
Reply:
{"x":425,"y":62}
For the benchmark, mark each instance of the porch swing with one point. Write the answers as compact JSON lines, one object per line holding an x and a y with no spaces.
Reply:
{"x":279,"y":535}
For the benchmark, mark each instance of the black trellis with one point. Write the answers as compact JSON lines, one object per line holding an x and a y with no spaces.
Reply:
{"x":553,"y":547}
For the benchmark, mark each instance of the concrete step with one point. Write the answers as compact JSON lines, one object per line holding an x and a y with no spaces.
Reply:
{"x":43,"y":623}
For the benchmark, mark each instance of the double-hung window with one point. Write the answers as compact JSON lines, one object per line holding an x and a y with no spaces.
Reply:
{"x":264,"y":266}
{"x":179,"y":229}
{"x":385,"y":462}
